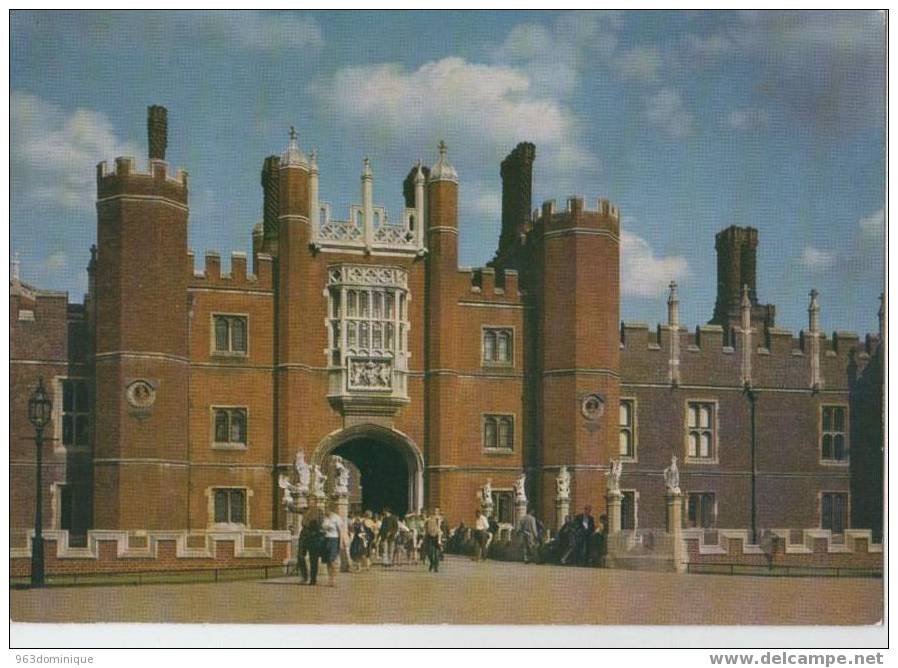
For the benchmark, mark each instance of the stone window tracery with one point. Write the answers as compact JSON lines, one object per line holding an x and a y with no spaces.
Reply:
{"x":369,"y":339}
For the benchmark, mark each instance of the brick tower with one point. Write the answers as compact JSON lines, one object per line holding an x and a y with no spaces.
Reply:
{"x":443,"y":435}
{"x":141,"y":451}
{"x":577,"y":294}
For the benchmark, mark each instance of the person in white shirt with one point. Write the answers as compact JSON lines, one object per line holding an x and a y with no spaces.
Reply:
{"x":482,"y":536}
{"x":333,"y":530}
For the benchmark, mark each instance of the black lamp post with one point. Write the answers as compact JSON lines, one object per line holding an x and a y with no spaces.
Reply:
{"x":40,"y":408}
{"x":753,"y":444}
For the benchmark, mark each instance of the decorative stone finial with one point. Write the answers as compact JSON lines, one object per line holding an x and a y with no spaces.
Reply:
{"x":313,"y":160}
{"x":16,"y":266}
{"x":814,"y":312}
{"x":419,"y":172}
{"x":443,"y":171}
{"x":293,"y":156}
{"x":673,"y":297}
{"x":366,"y":169}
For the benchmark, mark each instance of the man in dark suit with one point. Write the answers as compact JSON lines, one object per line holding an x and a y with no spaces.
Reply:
{"x":585,"y":527}
{"x":389,"y":529}
{"x":309,"y":545}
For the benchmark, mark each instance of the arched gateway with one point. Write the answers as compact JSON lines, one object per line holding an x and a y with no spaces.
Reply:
{"x":390,"y":464}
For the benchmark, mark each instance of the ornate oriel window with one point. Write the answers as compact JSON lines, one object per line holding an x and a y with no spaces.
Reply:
{"x":368,"y":327}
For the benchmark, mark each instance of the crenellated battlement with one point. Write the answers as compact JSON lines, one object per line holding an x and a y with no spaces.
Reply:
{"x":211,"y":275}
{"x":606,"y":216}
{"x":489,"y":283}
{"x":125,"y":178}
{"x":638,"y":336}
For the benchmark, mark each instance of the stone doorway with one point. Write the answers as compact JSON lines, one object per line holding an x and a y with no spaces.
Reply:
{"x":385,"y":462}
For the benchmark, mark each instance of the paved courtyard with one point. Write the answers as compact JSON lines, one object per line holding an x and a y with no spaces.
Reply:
{"x":465,"y":592}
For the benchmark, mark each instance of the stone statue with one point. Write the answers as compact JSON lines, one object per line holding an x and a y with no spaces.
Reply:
{"x":303,"y":470}
{"x":614,"y":474}
{"x":341,"y":483}
{"x":520,"y":496}
{"x":318,"y":480}
{"x":672,"y":477}
{"x":284,"y":484}
{"x":563,"y":485}
{"x":486,"y":493}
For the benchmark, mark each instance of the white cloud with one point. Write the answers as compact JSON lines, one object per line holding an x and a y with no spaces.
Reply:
{"x":56,"y":261}
{"x":873,"y":225}
{"x":267,"y":31}
{"x":55,"y":153}
{"x":748,"y":119}
{"x":641,"y":63}
{"x":666,"y":110}
{"x":817,"y":259}
{"x":475,"y":107}
{"x":554,"y":56}
{"x":643,"y":274}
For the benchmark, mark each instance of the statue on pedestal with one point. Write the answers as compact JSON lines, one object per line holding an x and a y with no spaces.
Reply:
{"x":341,"y":482}
{"x":520,"y":495}
{"x":613,"y":477}
{"x":303,"y":471}
{"x":486,"y":494}
{"x":318,"y":480}
{"x":563,"y":485}
{"x":672,"y":477}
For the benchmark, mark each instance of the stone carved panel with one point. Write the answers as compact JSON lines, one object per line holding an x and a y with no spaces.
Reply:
{"x":370,"y":374}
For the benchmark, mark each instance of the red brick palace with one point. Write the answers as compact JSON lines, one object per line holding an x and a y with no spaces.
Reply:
{"x":180,"y":394}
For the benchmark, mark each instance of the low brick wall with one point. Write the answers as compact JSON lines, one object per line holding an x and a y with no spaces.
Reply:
{"x":109,"y":552}
{"x":816,"y":552}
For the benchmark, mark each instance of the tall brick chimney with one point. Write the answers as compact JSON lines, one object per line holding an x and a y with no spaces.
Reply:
{"x":157,"y":131}
{"x":737,"y":250}
{"x":270,"y":194}
{"x":517,"y":187}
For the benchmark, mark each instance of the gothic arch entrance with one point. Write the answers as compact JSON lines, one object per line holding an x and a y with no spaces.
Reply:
{"x":390,"y":465}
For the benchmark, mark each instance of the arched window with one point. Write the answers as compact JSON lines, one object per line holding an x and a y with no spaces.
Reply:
{"x":238,"y":426}
{"x":489,"y":346}
{"x":411,"y":223}
{"x":222,"y":340}
{"x":503,"y":348}
{"x":489,"y":432}
{"x":238,"y":335}
{"x":506,"y":433}
{"x":498,"y":348}
{"x":221,"y":426}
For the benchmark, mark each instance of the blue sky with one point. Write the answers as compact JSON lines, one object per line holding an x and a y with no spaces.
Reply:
{"x":689,"y":121}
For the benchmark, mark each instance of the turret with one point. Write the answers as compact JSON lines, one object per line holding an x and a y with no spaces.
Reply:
{"x":576,"y":289}
{"x":141,"y":339}
{"x":442,"y":214}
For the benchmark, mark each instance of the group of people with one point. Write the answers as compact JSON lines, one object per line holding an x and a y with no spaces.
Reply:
{"x":423,"y":537}
{"x":580,"y":541}
{"x":383,"y":537}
